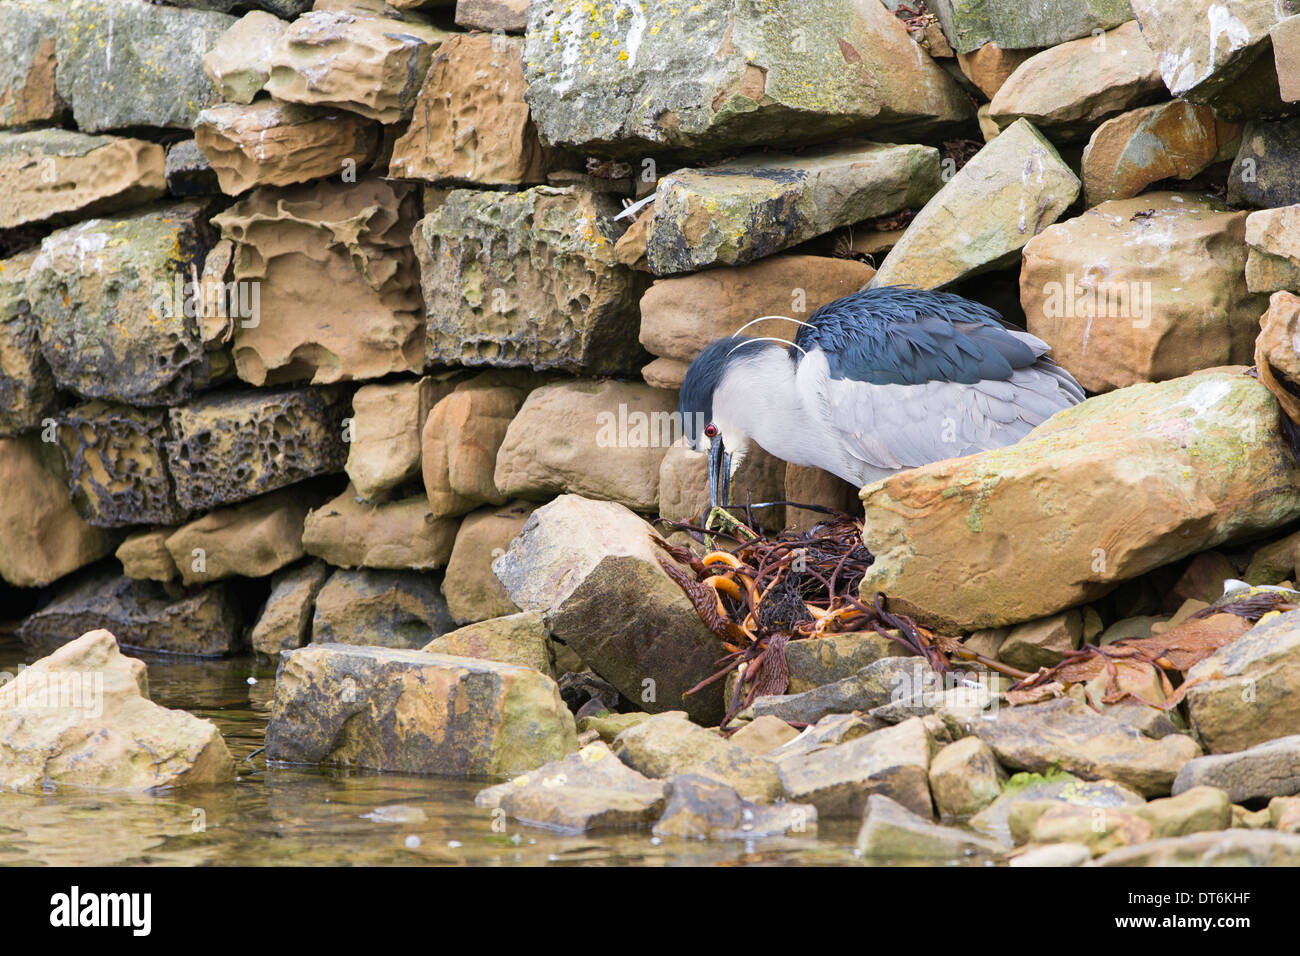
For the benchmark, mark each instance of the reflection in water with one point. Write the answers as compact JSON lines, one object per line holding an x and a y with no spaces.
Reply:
{"x":305,"y":816}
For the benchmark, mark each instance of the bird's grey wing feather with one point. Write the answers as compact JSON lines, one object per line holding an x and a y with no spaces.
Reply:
{"x":904,"y":426}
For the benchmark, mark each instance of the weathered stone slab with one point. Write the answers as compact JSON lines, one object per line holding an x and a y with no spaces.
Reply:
{"x":252,"y":540}
{"x":231,"y":446}
{"x":668,"y":744}
{"x":1273,"y":263}
{"x":27,"y":392}
{"x":239,"y":62}
{"x":1069,"y":88}
{"x":1127,"y":154}
{"x":350,"y":533}
{"x":714,"y":76}
{"x":591,"y":566}
{"x":350,"y":59}
{"x":110,"y":736}
{"x":395,"y":609}
{"x":410,"y":712}
{"x":277,"y":144}
{"x":1247,"y":692}
{"x":969,"y":24}
{"x":335,"y":279}
{"x":285,"y":620}
{"x":1009,"y":192}
{"x":473,"y":591}
{"x":123,"y":63}
{"x":42,"y":537}
{"x":1102,"y":492}
{"x":117,"y":460}
{"x":748,"y":208}
{"x":471,"y":123}
{"x":892,"y":832}
{"x":528,"y":279}
{"x":385,"y":448}
{"x":1111,"y":293}
{"x":107,"y":294}
{"x":523,"y":639}
{"x":1066,"y":734}
{"x":204,"y":623}
{"x":27,"y":62}
{"x":602,"y":440}
{"x":48,"y":173}
{"x":459,"y":443}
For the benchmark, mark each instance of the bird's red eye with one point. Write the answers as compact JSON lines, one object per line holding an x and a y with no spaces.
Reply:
{"x":711,"y":430}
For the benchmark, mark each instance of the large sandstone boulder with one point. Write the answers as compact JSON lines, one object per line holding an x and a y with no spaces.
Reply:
{"x":1266,"y":171}
{"x":28,"y":92}
{"x":239,"y":63}
{"x":528,"y":278}
{"x":1009,"y":192}
{"x":408,"y":711}
{"x":471,"y":123}
{"x":1100,"y":493}
{"x":1245,"y":694}
{"x":82,"y":717}
{"x":1277,"y":350}
{"x":1069,"y":88}
{"x":144,"y":556}
{"x":403,"y":609}
{"x":231,"y":446}
{"x":57,"y":172}
{"x":969,"y":24}
{"x":27,"y":393}
{"x":713,"y":76}
{"x":108,"y":297}
{"x":473,"y":592}
{"x":285,"y":619}
{"x":201,"y":623}
{"x":1273,"y":263}
{"x":673,"y":326}
{"x":1286,"y":57}
{"x":523,"y":638}
{"x":1068,"y":735}
{"x":354,"y":60}
{"x":460,"y":439}
{"x":277,"y":144}
{"x":839,"y":779}
{"x":669,"y":744}
{"x":251,"y":540}
{"x":1214,"y":53}
{"x":349,"y":533}
{"x":42,"y":537}
{"x":989,"y":66}
{"x":1127,"y":154}
{"x":333,"y":267}
{"x":125,"y":63}
{"x":591,"y":566}
{"x":118,"y":464}
{"x":589,"y":790}
{"x":1269,"y":769}
{"x":602,"y":439}
{"x":385,"y":447}
{"x":1111,"y":293}
{"x":748,"y":208}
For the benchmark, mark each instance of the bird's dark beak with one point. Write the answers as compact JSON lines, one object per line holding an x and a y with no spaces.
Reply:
{"x":719,"y":474}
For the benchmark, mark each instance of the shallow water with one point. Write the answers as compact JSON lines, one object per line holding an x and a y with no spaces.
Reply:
{"x":302,"y":816}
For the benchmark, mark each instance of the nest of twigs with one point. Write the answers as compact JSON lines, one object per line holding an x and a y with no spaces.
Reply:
{"x":757,"y":593}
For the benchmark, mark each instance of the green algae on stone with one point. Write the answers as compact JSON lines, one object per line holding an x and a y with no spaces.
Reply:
{"x":27,"y":62}
{"x":27,"y":392}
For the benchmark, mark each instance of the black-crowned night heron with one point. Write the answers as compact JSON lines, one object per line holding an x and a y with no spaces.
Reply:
{"x":881,"y":380}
